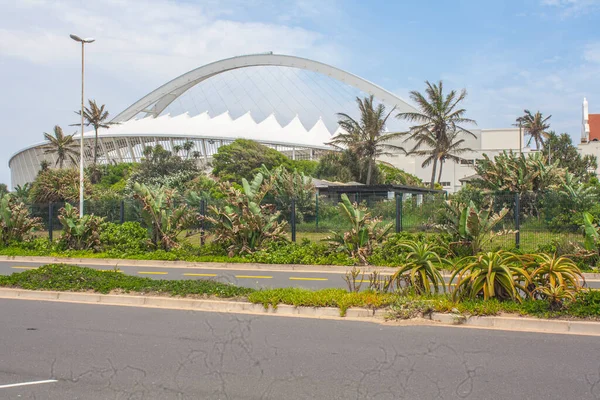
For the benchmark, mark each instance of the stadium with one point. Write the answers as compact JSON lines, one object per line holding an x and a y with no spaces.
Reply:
{"x":285,"y":102}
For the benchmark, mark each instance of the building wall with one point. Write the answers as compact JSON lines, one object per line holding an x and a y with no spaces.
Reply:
{"x":486,"y":141}
{"x":594,"y":122}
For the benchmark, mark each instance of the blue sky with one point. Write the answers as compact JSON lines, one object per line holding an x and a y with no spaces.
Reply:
{"x":510,"y":55}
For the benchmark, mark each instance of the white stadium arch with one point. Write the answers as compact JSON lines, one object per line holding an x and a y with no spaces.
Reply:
{"x":142,"y":124}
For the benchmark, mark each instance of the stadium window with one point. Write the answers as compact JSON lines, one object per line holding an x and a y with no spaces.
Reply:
{"x":467,"y":162}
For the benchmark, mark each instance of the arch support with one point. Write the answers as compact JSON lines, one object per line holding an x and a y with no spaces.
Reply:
{"x":156,"y":101}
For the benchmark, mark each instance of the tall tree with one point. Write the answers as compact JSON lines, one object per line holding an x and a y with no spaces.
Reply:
{"x":97,"y":117}
{"x":450,"y":148}
{"x":559,"y":148}
{"x":62,"y":145}
{"x":439,"y":121}
{"x":535,"y":126}
{"x":367,"y":137}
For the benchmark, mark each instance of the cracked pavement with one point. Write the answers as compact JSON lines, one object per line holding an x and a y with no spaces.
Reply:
{"x":110,"y":352}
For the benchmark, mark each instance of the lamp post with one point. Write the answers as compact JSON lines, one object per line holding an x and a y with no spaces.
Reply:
{"x":83,"y":42}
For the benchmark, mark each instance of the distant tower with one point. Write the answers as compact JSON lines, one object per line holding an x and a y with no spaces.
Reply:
{"x":585,"y":127}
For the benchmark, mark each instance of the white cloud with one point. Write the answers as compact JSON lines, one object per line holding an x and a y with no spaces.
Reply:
{"x":159,"y":39}
{"x":571,"y":8}
{"x":592,"y":53}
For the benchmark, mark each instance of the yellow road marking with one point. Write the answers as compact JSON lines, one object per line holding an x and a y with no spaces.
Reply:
{"x":293,"y":278}
{"x":24,"y":267}
{"x":200,"y":274}
{"x":152,"y":273}
{"x":110,"y":270}
{"x":253,"y":276}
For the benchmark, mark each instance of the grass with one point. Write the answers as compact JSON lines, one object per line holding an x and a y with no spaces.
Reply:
{"x":71,"y":278}
{"x":321,"y":298}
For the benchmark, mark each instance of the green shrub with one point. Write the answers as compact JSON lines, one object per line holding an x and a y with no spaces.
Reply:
{"x":244,"y":224}
{"x":320,"y":298}
{"x":16,"y":225}
{"x":79,"y":233}
{"x":165,"y":221}
{"x":365,"y":232}
{"x":129,"y":237}
{"x":307,"y":253}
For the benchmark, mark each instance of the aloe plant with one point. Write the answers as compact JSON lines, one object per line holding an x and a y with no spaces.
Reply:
{"x":15,"y":222}
{"x":549,"y":273}
{"x":421,"y":269}
{"x":473,"y":226}
{"x":165,"y":221}
{"x":244,"y":225}
{"x":364,"y":234}
{"x":499,"y":274}
{"x":79,"y":233}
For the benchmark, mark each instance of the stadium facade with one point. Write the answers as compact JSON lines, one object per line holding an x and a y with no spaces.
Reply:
{"x":147,"y":122}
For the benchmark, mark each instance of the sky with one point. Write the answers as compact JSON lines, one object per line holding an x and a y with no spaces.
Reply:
{"x":510,"y":55}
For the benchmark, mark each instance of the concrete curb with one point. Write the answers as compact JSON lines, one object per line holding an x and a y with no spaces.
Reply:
{"x":116,"y":262}
{"x":520,"y":324}
{"x":224,"y":306}
{"x":352,"y":314}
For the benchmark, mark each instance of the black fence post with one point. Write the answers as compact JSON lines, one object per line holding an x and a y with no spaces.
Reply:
{"x":293,"y":220}
{"x":398,"y":212}
{"x":122,"y":212}
{"x":50,"y":218}
{"x":517,"y":221}
{"x":317,"y":210}
{"x":202,"y":214}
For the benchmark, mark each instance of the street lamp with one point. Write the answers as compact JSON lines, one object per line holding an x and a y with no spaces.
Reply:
{"x":83,"y":42}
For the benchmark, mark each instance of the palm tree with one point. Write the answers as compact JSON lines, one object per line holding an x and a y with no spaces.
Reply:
{"x":366,"y":138}
{"x":439,"y":119}
{"x":536,"y":126}
{"x":450,"y":149}
{"x":95,"y":116}
{"x":63,"y":146}
{"x":22,"y":192}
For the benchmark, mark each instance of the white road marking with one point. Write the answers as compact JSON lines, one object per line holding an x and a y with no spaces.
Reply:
{"x":27,"y":383}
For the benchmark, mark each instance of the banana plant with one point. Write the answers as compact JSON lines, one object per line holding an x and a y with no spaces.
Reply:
{"x":244,"y":224}
{"x":79,"y":233}
{"x":165,"y":221}
{"x":592,"y":238}
{"x":473,"y":226}
{"x":364,"y":234}
{"x":15,"y":222}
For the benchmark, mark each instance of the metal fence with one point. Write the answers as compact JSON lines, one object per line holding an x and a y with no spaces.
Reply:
{"x":535,"y":219}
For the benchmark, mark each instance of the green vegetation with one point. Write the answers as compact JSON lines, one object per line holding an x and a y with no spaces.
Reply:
{"x":70,"y":278}
{"x":439,"y":122}
{"x":365,"y":233}
{"x":15,"y":223}
{"x":421,"y":269}
{"x":60,"y":277}
{"x":79,"y":233}
{"x":244,"y":225}
{"x":62,"y":146}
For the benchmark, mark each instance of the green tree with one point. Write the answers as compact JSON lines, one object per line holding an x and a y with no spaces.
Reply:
{"x":96,"y":117}
{"x":367,"y":137}
{"x":338,"y":166}
{"x":439,"y":121}
{"x":21,"y":192}
{"x":62,"y":145}
{"x":560,"y":149}
{"x":393,"y":175}
{"x":535,"y":126}
{"x":160,"y":167}
{"x":4,"y":189}
{"x":243,"y":158}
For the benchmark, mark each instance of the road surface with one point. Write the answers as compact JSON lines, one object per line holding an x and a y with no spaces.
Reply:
{"x":79,"y":351}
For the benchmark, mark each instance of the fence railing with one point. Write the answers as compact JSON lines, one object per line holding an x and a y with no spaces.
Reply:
{"x":537,"y":219}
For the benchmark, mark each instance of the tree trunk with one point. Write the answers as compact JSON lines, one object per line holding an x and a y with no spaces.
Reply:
{"x":440,"y":173}
{"x":60,"y":162}
{"x":95,"y":146}
{"x":432,"y":183}
{"x":369,"y":171}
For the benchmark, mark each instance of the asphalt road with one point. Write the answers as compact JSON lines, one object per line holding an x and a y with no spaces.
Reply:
{"x":242,"y":277}
{"x":76,"y":351}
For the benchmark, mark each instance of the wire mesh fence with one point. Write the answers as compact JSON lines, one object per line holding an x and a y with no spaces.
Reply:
{"x":531,"y":220}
